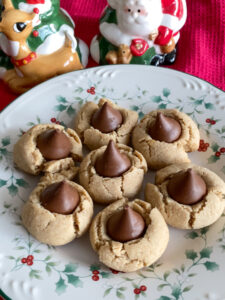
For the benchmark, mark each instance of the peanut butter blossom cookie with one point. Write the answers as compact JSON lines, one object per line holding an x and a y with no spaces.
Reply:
{"x":188,"y":196}
{"x":112,"y":172}
{"x":97,"y":124}
{"x":165,"y":136}
{"x":126,"y":235}
{"x":58,"y":211}
{"x":47,"y":148}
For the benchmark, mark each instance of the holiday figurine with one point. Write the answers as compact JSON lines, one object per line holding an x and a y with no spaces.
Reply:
{"x":139,"y":32}
{"x":37,"y":38}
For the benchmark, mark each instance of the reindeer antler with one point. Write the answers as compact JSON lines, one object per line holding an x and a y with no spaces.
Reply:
{"x":7,"y":4}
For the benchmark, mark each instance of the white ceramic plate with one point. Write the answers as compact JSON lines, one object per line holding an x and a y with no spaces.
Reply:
{"x":193,"y":265}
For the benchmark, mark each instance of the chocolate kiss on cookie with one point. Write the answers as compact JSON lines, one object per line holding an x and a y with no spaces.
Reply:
{"x":54,"y":144}
{"x":106,"y":119}
{"x":187,"y":187}
{"x":112,"y":163}
{"x":60,"y":197}
{"x":125,"y":225}
{"x":165,"y":129}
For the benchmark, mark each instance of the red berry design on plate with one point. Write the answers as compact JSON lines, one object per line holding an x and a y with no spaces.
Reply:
{"x":53,"y":120}
{"x":29,"y":262}
{"x":222,"y":150}
{"x":208,"y":120}
{"x":218,"y":154}
{"x":30,"y":257}
{"x":203,"y":147}
{"x":213,"y":122}
{"x":57,"y":122}
{"x":95,"y":277}
{"x":96,"y":272}
{"x":114,"y":271}
{"x":24,"y":260}
{"x":143,"y":288}
{"x":137,"y":291}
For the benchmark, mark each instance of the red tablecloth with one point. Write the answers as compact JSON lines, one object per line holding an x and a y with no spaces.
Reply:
{"x":201,"y":47}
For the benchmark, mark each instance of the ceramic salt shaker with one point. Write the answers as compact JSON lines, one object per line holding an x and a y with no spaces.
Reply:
{"x":139,"y":32}
{"x":37,"y":42}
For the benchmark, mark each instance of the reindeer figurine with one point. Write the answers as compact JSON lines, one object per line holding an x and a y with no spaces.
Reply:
{"x":31,"y":68}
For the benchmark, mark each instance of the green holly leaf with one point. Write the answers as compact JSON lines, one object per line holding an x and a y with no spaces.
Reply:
{"x":156,"y":99}
{"x":105,"y":274}
{"x":120,"y":295}
{"x":122,"y":288}
{"x":161,"y":286}
{"x":6,"y":141}
{"x":215,"y":147}
{"x":141,"y":115}
{"x":60,"y":107}
{"x":74,"y":280}
{"x":70,"y":111}
{"x":52,"y":264}
{"x":94,"y":267}
{"x":60,"y":286}
{"x":164,"y":298}
{"x":187,"y":288}
{"x":48,"y":270}
{"x":192,"y":275}
{"x":21,"y":182}
{"x":176,"y":292}
{"x":166,"y":275}
{"x":38,"y":120}
{"x":198,"y":102}
{"x":79,"y":90}
{"x":211,"y":266}
{"x":70,"y":268}
{"x":162,"y":106}
{"x":209,"y":106}
{"x":4,"y":151}
{"x":2,"y":183}
{"x":10,"y":257}
{"x":166,"y":92}
{"x":212,"y":159}
{"x":47,"y":257}
{"x":206,"y":252}
{"x":13,"y":190}
{"x":107,"y":292}
{"x":192,"y":235}
{"x":191,"y":254}
{"x":176,"y":271}
{"x":134,"y":107}
{"x":61,"y":99}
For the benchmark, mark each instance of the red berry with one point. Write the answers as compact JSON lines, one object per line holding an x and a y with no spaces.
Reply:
{"x":24,"y":260}
{"x":53,"y":120}
{"x":36,"y":10}
{"x":96,"y":272}
{"x":92,"y":92}
{"x":115,"y":272}
{"x":199,"y":149}
{"x":201,"y":142}
{"x":222,"y":150}
{"x":218,"y":154}
{"x":92,"y":88}
{"x":35,"y":33}
{"x":208,"y":120}
{"x":207,"y":145}
{"x":213,"y":122}
{"x":95,"y":277}
{"x":88,"y":91}
{"x":30,"y":257}
{"x":57,"y":122}
{"x":29,"y":262}
{"x":143,"y":288}
{"x":137,"y":291}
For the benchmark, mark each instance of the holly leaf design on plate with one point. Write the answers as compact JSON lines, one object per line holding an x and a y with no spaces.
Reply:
{"x":22,"y":183}
{"x":60,"y":286}
{"x":70,"y":268}
{"x":206,"y":252}
{"x":191,"y":254}
{"x":74,"y":280}
{"x":5,"y":141}
{"x":166,"y":92}
{"x":211,"y":266}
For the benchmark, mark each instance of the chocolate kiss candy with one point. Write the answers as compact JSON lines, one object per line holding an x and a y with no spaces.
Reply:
{"x":126,"y":225}
{"x":112,"y":163}
{"x":54,"y":144}
{"x":187,"y":187}
{"x":165,"y":129}
{"x":61,"y":198}
{"x":106,"y":119}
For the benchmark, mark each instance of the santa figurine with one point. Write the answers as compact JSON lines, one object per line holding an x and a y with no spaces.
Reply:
{"x":139,"y":32}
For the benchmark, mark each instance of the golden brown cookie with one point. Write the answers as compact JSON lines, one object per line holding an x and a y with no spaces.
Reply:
{"x":55,"y":228}
{"x":29,"y":158}
{"x":135,"y":254}
{"x":201,"y":214}
{"x":94,"y":138}
{"x":106,"y":190}
{"x":160,"y":154}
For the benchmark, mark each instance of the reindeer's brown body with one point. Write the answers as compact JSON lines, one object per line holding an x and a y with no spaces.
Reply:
{"x":43,"y":66}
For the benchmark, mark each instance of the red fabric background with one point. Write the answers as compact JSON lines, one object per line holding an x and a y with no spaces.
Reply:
{"x":201,"y":46}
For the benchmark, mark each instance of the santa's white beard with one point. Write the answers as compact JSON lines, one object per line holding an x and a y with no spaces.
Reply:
{"x":11,"y":48}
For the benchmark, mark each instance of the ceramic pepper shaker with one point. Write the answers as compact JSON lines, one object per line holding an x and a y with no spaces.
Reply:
{"x":37,"y":37}
{"x":139,"y":32}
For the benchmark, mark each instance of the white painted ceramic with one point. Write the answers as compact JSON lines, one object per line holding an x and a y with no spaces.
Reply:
{"x":193,"y":265}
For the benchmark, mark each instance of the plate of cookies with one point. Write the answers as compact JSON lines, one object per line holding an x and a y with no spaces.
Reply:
{"x":112,"y":187}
